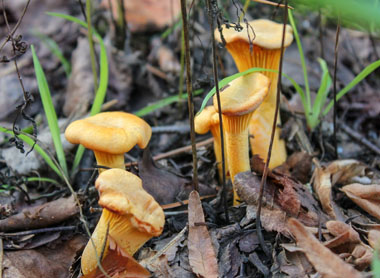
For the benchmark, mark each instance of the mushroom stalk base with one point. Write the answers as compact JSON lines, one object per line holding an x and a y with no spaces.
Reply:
{"x":236,"y":129}
{"x":218,"y":152}
{"x":126,"y":236}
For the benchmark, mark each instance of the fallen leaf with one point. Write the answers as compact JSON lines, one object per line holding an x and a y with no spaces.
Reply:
{"x":43,"y":261}
{"x":41,"y":216}
{"x":147,"y":14}
{"x":324,"y":261}
{"x":363,"y":255}
{"x":297,"y":166}
{"x":365,"y":196}
{"x":374,"y":239}
{"x":163,"y":185}
{"x":230,"y":260}
{"x":202,"y":256}
{"x":337,"y":228}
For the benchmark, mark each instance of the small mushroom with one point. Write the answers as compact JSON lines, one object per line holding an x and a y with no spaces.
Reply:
{"x":260,"y":46}
{"x":208,"y":120}
{"x":109,"y":135}
{"x":238,"y":101}
{"x":130,"y":217}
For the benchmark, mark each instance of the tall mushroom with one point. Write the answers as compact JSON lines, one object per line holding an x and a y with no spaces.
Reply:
{"x":239,"y":99}
{"x":130,"y":217}
{"x":260,"y":46}
{"x":208,"y":120}
{"x":109,"y":135}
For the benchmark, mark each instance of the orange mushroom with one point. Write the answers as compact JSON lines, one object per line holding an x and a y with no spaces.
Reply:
{"x":239,"y":99}
{"x":130,"y":218}
{"x":208,"y":120}
{"x":263,"y":52}
{"x":109,"y":135}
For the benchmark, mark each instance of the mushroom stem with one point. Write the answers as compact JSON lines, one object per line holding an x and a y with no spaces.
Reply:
{"x":261,"y":122}
{"x":236,"y":129}
{"x":215,"y":131}
{"x":109,"y":160}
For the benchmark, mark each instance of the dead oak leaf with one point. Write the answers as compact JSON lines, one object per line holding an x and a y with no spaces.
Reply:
{"x":365,"y":196}
{"x":328,"y":264}
{"x":202,"y":256}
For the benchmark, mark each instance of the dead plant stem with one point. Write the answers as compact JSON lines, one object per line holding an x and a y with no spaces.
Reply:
{"x":335,"y":72}
{"x":189,"y":92}
{"x":215,"y":72}
{"x":91,"y":44}
{"x":265,"y":173}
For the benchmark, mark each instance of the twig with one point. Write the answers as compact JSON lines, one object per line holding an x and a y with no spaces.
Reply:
{"x":274,"y":125}
{"x":189,"y":92}
{"x":1,"y":257}
{"x":334,"y":90}
{"x":184,"y":202}
{"x":359,"y":137}
{"x":91,"y":44}
{"x":216,"y":82}
{"x":175,"y":151}
{"x":171,"y":129}
{"x":273,"y":4}
{"x":38,"y":231}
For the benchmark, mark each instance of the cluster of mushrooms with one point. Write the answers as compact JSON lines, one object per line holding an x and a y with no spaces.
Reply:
{"x":248,"y":103}
{"x":130,"y":216}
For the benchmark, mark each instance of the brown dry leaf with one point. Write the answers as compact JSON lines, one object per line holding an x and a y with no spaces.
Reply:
{"x":297,"y":166}
{"x":339,"y":171}
{"x":41,"y":216}
{"x":119,"y":264}
{"x":374,"y":239}
{"x":324,"y":261}
{"x":202,"y":256}
{"x":365,"y":196}
{"x":147,"y":14}
{"x":43,"y":262}
{"x":363,"y":256}
{"x":337,"y":228}
{"x":163,"y":185}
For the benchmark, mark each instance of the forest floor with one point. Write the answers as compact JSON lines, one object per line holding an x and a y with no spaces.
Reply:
{"x":336,"y":198}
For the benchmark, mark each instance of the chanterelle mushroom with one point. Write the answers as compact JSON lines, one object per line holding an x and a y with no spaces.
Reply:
{"x":264,"y":51}
{"x":130,"y":217}
{"x":240,"y":98}
{"x":109,"y":135}
{"x":208,"y":120}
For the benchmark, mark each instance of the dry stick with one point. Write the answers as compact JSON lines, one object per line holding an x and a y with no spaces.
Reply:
{"x":91,"y":43}
{"x":215,"y":72}
{"x":335,"y":70}
{"x":265,"y":173}
{"x":1,"y":257}
{"x":189,"y":93}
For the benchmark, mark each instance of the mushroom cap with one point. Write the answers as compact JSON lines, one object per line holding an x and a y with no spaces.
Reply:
{"x":110,"y":132}
{"x":243,"y":95}
{"x":264,"y":33}
{"x":206,"y":119}
{"x":122,"y":193}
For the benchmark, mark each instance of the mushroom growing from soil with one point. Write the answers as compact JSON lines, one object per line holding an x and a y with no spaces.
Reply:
{"x":260,"y":46}
{"x":109,"y":135}
{"x":208,"y":120}
{"x":239,"y":99}
{"x":130,"y":217}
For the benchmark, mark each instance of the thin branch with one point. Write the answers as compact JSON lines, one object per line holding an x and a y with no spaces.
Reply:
{"x":334,"y":90}
{"x":189,"y":92}
{"x":265,"y":173}
{"x":215,"y":72}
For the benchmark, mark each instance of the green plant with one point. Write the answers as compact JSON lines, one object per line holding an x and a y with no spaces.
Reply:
{"x":314,"y":112}
{"x":50,"y":113}
{"x":375,"y":265}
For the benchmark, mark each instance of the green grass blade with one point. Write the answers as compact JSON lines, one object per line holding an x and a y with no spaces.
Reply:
{"x":42,"y":179}
{"x":103,"y":80}
{"x":54,"y":48}
{"x":37,"y":148}
{"x":49,"y":109}
{"x":169,"y":30}
{"x":320,"y":100}
{"x":164,"y":102}
{"x":363,"y":74}
{"x":375,"y":265}
{"x":302,"y":58}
